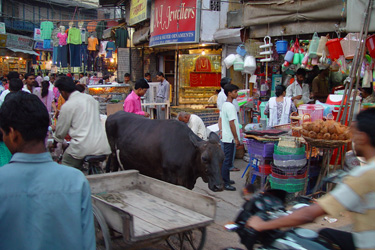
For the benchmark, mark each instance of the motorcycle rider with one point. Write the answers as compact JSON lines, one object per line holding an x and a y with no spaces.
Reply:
{"x":356,"y":194}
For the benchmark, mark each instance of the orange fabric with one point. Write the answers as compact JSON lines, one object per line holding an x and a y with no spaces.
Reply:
{"x":91,"y":26}
{"x":92,"y":43}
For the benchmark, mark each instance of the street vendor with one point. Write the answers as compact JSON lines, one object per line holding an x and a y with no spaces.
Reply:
{"x":279,"y":108}
{"x":320,"y":85}
{"x":298,"y":90}
{"x":367,"y":95}
{"x":132,"y":103}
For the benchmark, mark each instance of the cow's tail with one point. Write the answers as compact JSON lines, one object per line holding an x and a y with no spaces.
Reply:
{"x":118,"y":158}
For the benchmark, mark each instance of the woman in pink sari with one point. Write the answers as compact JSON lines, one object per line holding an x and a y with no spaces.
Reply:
{"x":46,"y":96}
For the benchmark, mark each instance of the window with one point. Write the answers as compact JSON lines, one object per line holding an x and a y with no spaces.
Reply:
{"x":215,"y":5}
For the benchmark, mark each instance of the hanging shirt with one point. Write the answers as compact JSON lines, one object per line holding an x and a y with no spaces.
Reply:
{"x":84,"y":36}
{"x":122,"y":36}
{"x":110,"y":47}
{"x":100,"y":27}
{"x":62,"y":38}
{"x":74,"y":36}
{"x":55,"y":39}
{"x":47,"y":204}
{"x":93,"y":42}
{"x":103,"y":45}
{"x":91,"y":26}
{"x":46,"y":30}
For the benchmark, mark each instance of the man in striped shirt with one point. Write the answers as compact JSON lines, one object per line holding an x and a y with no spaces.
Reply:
{"x":355,"y":194}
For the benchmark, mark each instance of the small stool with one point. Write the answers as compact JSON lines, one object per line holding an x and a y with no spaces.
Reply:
{"x":254,"y":171}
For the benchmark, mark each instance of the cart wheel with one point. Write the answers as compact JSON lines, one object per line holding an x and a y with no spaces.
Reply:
{"x":103,"y":239}
{"x":189,"y":240}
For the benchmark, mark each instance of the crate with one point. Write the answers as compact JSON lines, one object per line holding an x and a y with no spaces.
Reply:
{"x":289,"y":172}
{"x":289,"y":151}
{"x":290,"y":185}
{"x":264,"y":149}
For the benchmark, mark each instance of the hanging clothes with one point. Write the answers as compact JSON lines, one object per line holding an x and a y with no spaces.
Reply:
{"x":100,"y":27}
{"x":103,"y":46}
{"x":74,"y":36}
{"x":91,"y":26}
{"x":84,"y":36}
{"x":110,"y":47}
{"x":46,"y":44}
{"x":46,"y":30}
{"x":55,"y":43}
{"x":62,"y":38}
{"x":122,"y":37}
{"x":92,"y":43}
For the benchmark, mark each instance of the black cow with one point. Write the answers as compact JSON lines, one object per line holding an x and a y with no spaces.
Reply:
{"x":164,"y":149}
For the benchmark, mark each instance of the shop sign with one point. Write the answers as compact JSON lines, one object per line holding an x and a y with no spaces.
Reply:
{"x":39,"y":46}
{"x":37,"y":34}
{"x":19,"y":42}
{"x":138,"y":11}
{"x":2,"y":28}
{"x":174,"y":22}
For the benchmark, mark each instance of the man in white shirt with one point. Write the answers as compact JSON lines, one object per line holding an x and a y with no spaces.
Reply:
{"x":221,"y":98}
{"x":230,"y":133}
{"x":299,"y":90}
{"x":195,"y":123}
{"x":79,"y":117}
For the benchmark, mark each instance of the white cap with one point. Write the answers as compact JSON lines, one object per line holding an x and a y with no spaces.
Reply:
{"x":46,"y":78}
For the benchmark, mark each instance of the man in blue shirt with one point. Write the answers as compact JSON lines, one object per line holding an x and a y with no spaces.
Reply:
{"x":44,"y":205}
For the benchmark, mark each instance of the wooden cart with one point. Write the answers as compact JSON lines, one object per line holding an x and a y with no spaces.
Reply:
{"x":144,"y":210}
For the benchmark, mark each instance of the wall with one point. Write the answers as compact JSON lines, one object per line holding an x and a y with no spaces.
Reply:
{"x":210,"y":22}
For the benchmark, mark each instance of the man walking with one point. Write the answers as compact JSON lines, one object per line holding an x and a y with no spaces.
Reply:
{"x":162,"y":95}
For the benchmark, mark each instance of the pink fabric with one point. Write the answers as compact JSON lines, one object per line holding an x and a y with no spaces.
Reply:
{"x":47,"y":100}
{"x":56,"y":94}
{"x":62,"y":38}
{"x":132,"y":104}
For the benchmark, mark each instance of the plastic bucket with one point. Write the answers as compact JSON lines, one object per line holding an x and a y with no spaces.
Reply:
{"x":281,"y":47}
{"x":334,"y":48}
{"x":370,"y":44}
{"x":314,"y":110}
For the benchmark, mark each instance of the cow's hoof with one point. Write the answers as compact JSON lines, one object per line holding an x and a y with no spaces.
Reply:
{"x":218,"y":188}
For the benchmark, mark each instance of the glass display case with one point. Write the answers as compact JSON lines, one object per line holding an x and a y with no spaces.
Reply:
{"x":109,"y":94}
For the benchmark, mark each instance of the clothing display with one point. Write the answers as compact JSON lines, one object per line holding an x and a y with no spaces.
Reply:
{"x":75,"y":55}
{"x":83,"y":54}
{"x":46,"y":44}
{"x":54,"y":38}
{"x":62,"y":56}
{"x":74,"y":36}
{"x":122,"y":37}
{"x":46,"y":30}
{"x":91,"y":26}
{"x":110,"y":47}
{"x":54,"y":54}
{"x":92,"y":43}
{"x":100,"y":27}
{"x":62,"y":38}
{"x":84,"y":36}
{"x":103,"y":46}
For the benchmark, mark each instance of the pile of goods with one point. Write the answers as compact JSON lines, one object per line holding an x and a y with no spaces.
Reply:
{"x":325,"y":130}
{"x":289,"y":168}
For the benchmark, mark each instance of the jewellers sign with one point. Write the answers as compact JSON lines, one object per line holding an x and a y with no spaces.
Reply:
{"x":19,"y":42}
{"x":175,"y":22}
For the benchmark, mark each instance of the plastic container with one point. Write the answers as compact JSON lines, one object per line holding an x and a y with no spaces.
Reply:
{"x":259,"y":148}
{"x":334,"y":48}
{"x":314,"y":110}
{"x":289,"y":56}
{"x":238,"y":64}
{"x":314,"y":44}
{"x":229,"y":60}
{"x":349,"y":45}
{"x":289,"y":151}
{"x":322,"y":46}
{"x":289,"y":171}
{"x":281,"y":47}
{"x":289,"y":157}
{"x":289,"y":185}
{"x":370,"y":44}
{"x":290,"y":163}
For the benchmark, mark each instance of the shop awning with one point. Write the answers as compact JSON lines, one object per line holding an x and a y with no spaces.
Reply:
{"x":141,"y":36}
{"x":228,"y":36}
{"x":31,"y":52}
{"x":290,"y":17}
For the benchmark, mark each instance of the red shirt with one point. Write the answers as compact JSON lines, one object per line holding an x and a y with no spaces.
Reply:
{"x":132,"y":104}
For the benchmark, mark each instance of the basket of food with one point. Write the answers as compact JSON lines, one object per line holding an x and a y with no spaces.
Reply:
{"x":325,"y":134}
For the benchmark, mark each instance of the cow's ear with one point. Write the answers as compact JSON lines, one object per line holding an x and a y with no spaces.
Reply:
{"x":197,"y":142}
{"x":213,"y":138}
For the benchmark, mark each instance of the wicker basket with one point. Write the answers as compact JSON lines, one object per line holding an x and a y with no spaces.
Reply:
{"x":321,"y":143}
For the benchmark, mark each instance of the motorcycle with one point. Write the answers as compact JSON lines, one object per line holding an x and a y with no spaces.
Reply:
{"x":270,"y":205}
